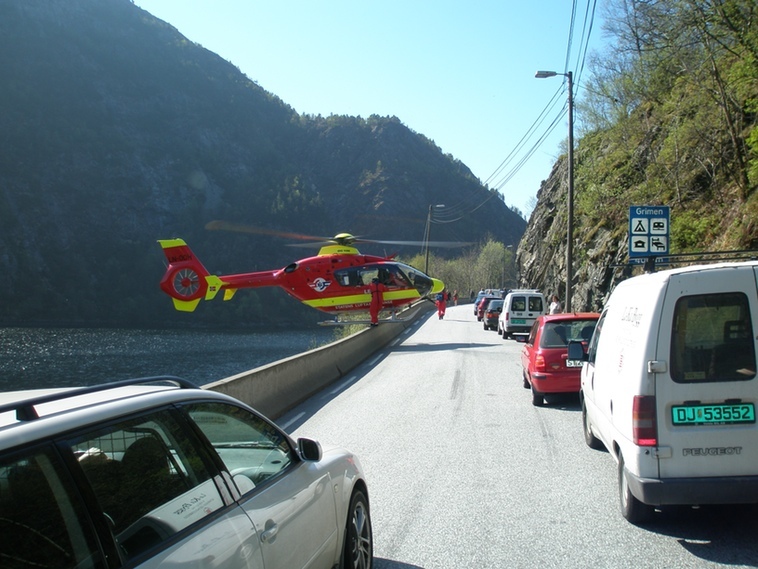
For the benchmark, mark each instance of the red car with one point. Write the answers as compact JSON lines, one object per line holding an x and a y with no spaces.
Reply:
{"x":544,"y":356}
{"x":481,"y":306}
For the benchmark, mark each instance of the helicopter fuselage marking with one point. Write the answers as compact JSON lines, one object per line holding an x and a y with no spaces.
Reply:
{"x":320,"y":284}
{"x":179,"y":258}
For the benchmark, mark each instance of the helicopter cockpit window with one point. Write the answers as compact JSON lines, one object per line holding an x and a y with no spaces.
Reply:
{"x":393,"y":277}
{"x":418,"y":280}
{"x":369,"y":273}
{"x":390,"y":275}
{"x":353,"y":277}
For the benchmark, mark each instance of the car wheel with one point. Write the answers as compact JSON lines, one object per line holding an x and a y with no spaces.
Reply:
{"x":538,"y":400}
{"x":632,"y":509}
{"x":358,"y":552}
{"x":526,"y":380}
{"x":592,"y":441}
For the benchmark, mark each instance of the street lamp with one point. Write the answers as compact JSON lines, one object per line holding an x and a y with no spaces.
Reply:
{"x":570,"y":199}
{"x":426,"y":233}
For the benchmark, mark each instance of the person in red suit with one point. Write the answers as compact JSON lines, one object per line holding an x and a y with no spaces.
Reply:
{"x":377,"y":298}
{"x":441,"y":305}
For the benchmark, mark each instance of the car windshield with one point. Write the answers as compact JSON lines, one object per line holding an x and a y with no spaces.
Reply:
{"x":559,"y":334}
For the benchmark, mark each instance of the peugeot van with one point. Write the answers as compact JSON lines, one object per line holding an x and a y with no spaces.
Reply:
{"x":520,"y":309}
{"x":669,"y":387}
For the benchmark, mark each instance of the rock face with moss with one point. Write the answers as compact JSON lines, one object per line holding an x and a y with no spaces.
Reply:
{"x":598,"y":249}
{"x":668,"y":117}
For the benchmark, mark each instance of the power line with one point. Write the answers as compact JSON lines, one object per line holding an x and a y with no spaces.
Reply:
{"x":501,"y":177}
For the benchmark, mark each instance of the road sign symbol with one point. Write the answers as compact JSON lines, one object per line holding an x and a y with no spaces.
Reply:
{"x":658,"y":245}
{"x":639,"y":245}
{"x":639,"y":225}
{"x":659,"y":226}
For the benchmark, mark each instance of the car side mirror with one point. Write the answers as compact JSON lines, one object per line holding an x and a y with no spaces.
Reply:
{"x":309,"y":450}
{"x":576,"y":351}
{"x":521,"y":338}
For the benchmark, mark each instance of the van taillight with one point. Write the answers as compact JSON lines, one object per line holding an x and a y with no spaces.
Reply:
{"x":644,"y":425}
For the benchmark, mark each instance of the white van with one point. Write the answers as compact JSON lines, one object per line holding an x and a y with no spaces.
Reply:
{"x":520,"y":309}
{"x":669,"y":387}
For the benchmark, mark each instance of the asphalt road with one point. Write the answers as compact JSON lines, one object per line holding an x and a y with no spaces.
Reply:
{"x":464,"y":472}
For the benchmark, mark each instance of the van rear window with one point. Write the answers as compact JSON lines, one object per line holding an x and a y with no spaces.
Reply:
{"x":518,"y":303}
{"x":712,"y":339}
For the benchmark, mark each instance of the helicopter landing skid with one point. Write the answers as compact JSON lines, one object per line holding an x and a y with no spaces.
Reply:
{"x":392,"y":320}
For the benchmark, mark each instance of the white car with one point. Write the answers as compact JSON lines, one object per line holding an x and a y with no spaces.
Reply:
{"x":520,"y":309}
{"x":140,"y":474}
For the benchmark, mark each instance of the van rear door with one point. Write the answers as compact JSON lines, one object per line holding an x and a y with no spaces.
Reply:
{"x":705,"y":374}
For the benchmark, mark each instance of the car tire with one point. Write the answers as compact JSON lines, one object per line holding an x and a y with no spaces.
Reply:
{"x":358,"y":551}
{"x":538,"y":399}
{"x":527,"y":385}
{"x":592,"y":441}
{"x":632,"y":509}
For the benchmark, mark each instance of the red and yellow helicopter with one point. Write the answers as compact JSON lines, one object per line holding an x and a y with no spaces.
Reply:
{"x":335,"y":281}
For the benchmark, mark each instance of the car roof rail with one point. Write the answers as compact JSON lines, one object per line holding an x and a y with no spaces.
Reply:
{"x":25,"y":410}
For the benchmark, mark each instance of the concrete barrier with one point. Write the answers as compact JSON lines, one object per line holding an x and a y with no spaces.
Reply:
{"x":277,"y":387}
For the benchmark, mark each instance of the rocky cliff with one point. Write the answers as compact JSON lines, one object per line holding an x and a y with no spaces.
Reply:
{"x":599,"y":253}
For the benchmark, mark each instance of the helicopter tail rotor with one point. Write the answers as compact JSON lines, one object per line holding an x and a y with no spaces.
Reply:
{"x":186,"y":280}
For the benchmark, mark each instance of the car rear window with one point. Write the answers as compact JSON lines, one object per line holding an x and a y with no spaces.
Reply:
{"x":535,"y":304}
{"x":148,"y":477}
{"x":495,"y":305}
{"x":42,"y":522}
{"x":712,"y":339}
{"x":559,"y":334}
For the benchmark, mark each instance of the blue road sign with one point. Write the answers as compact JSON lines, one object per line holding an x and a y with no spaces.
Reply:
{"x":649,"y":231}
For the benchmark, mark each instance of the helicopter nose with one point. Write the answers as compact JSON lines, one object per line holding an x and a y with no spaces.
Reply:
{"x":437,"y":286}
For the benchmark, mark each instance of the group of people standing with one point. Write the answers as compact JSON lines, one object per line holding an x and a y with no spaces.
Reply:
{"x":440,"y":300}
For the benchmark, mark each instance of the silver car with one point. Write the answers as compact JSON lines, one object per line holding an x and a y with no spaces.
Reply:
{"x":143,"y":474}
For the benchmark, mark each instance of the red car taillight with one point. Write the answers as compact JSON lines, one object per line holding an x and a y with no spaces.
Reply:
{"x":539,"y":362}
{"x":644,"y":424}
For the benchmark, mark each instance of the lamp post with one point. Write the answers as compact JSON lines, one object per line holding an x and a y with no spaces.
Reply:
{"x":427,"y":232}
{"x":570,"y":198}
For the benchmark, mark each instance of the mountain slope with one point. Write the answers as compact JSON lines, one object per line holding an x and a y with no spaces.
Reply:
{"x":116,"y":131}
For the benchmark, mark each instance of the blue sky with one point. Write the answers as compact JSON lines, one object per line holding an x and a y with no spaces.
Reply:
{"x":460,"y":73}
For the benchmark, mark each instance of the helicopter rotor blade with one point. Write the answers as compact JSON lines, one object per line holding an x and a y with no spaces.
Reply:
{"x":450,"y":244}
{"x":220,"y":225}
{"x":321,"y":241}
